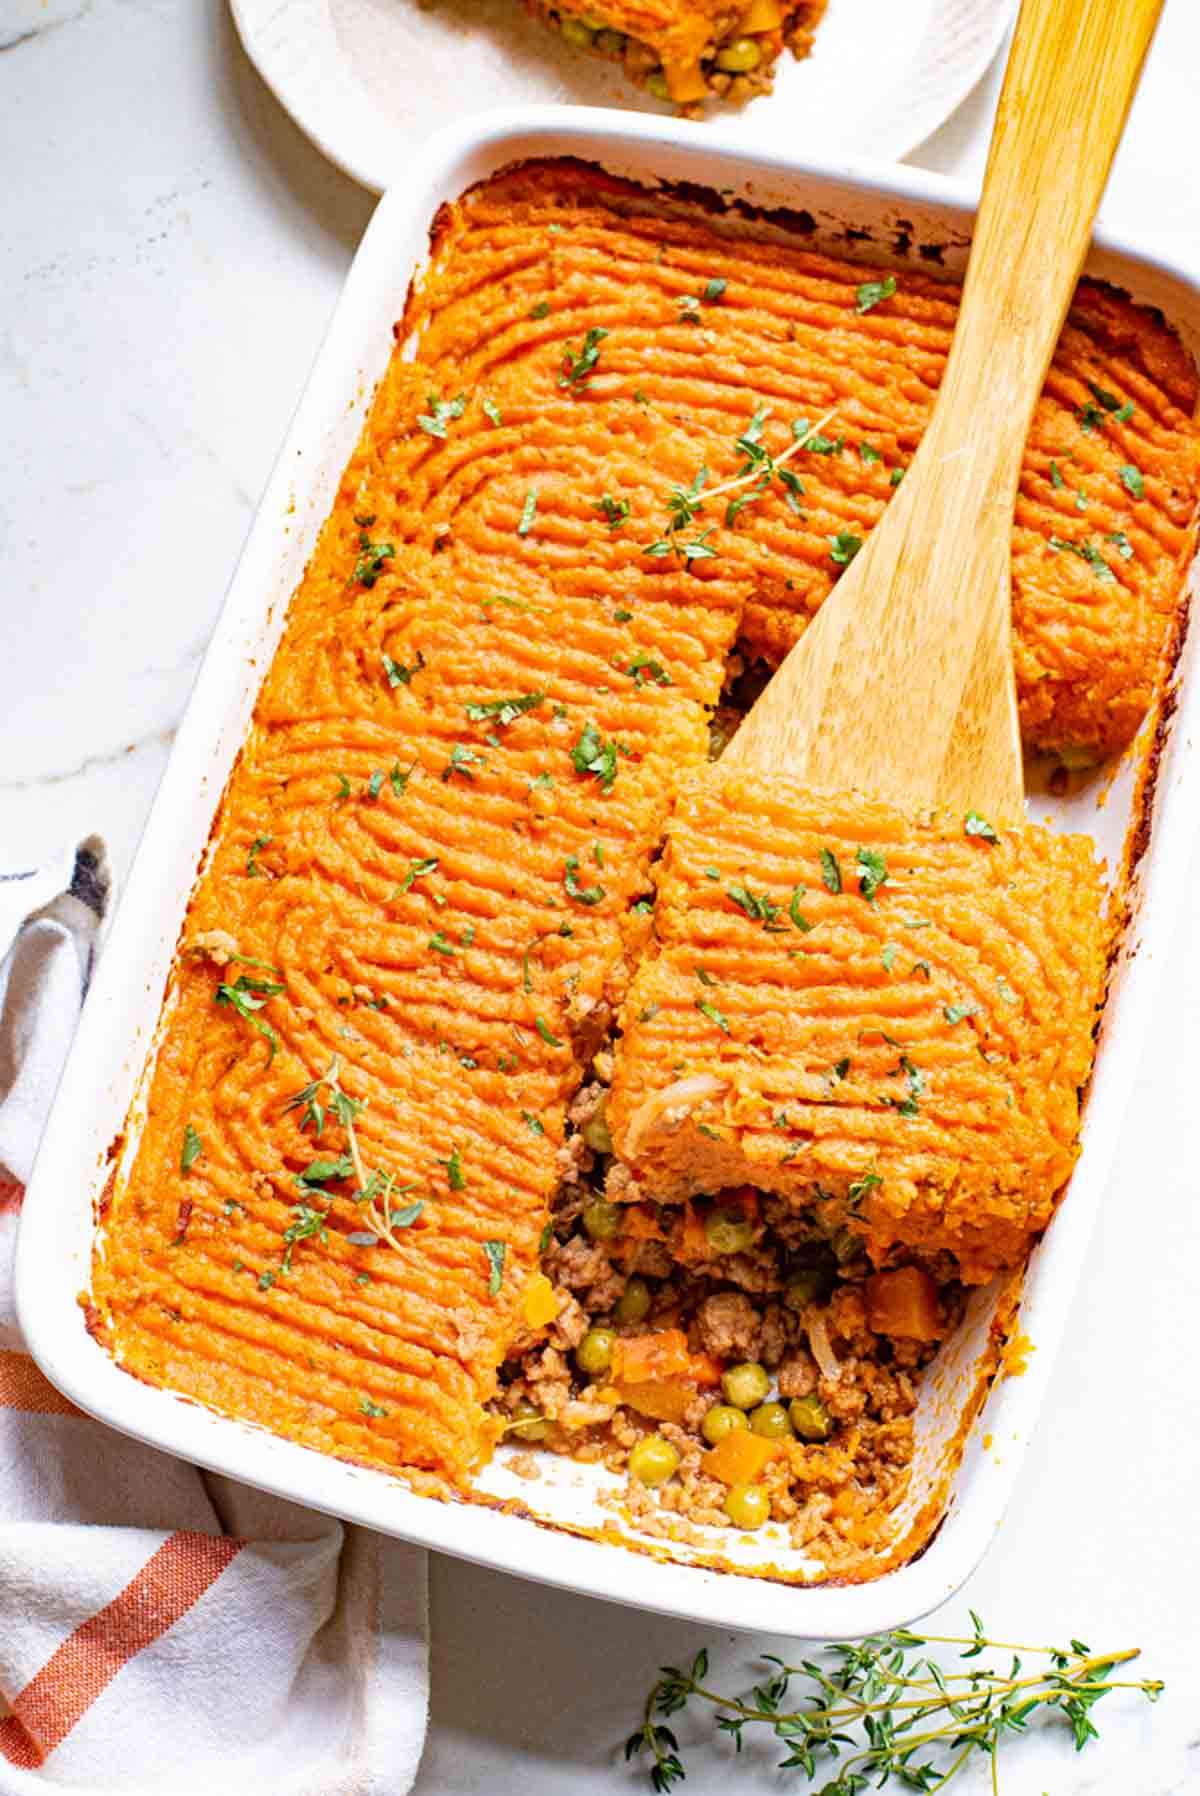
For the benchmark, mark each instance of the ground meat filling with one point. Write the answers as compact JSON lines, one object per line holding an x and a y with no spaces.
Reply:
{"x":735,"y":1360}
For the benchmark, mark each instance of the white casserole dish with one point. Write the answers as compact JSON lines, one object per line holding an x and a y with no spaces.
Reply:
{"x":105,"y":1075}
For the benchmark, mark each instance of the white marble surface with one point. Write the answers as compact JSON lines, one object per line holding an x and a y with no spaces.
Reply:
{"x":170,"y":248}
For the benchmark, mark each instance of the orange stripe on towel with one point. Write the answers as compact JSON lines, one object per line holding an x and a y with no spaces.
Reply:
{"x":61,"y":1693}
{"x":23,"y":1387}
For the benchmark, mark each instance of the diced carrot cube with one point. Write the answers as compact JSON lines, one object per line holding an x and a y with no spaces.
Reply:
{"x":540,"y":1302}
{"x":666,"y":1400}
{"x":649,"y":1358}
{"x":741,"y":1458}
{"x":903,"y":1302}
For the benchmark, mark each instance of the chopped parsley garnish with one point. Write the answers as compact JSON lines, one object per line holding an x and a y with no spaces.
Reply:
{"x":533,"y":1124}
{"x":440,"y":945}
{"x":440,"y":413}
{"x":462,"y":759}
{"x":871,"y":293}
{"x":371,"y":557}
{"x":247,"y":996}
{"x":1087,"y":551}
{"x":859,"y":1187}
{"x":622,"y":617}
{"x":193,"y":1147}
{"x":543,"y":1030}
{"x":253,"y":869}
{"x":455,"y":1176}
{"x":540,"y":310}
{"x":495,"y":1251}
{"x":581,"y":894}
{"x":874,"y":871}
{"x":955,"y":1013}
{"x":397,"y":673}
{"x":577,"y":367}
{"x":528,"y":512}
{"x":975,"y":825}
{"x":896,"y":476}
{"x":801,"y":922}
{"x":1131,"y":480}
{"x":1056,"y":477}
{"x":714,"y":290}
{"x":713,"y":1014}
{"x":417,"y":870}
{"x":1121,"y":543}
{"x":689,"y":310}
{"x":868,"y":454}
{"x":649,"y":1013}
{"x":645,"y":667}
{"x":375,"y":783}
{"x":916,"y":1085}
{"x":705,"y":977}
{"x":592,"y":754}
{"x":841,"y":1067}
{"x":343,"y":790}
{"x":371,"y":1409}
{"x":503,"y":711}
{"x":266,"y":1280}
{"x":888,"y":956}
{"x":615,"y":511}
{"x":400,"y":776}
{"x":1006,"y":991}
{"x":491,"y":412}
{"x":831,"y":872}
{"x":712,"y":873}
{"x":757,"y":906}
{"x":844,"y":547}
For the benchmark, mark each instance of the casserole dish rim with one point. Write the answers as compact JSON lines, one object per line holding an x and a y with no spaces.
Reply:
{"x":53,"y":1259}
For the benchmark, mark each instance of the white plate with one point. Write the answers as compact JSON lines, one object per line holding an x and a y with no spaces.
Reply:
{"x":105,"y":1077}
{"x":370,"y":80}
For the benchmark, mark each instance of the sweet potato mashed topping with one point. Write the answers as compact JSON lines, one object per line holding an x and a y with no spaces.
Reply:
{"x":901,"y":1010}
{"x":384,"y":1201}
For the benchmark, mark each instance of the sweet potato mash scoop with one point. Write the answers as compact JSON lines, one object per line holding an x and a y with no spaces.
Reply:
{"x":902,"y":686}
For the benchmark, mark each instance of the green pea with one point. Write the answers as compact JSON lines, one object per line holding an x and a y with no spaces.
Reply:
{"x":595,"y":1129}
{"x":810,"y":1418}
{"x":634,"y":1302}
{"x":656,"y":84}
{"x":530,"y":1424}
{"x":601,"y":1220}
{"x":745,"y":1385}
{"x":594,"y":1353}
{"x":771,"y":1421}
{"x":576,"y":33}
{"x":740,"y":56}
{"x":747,"y":1505}
{"x":611,"y":42}
{"x":847,"y":1245}
{"x":728,"y":1231}
{"x":653,"y":1460}
{"x":807,"y":1285}
{"x":720,"y":1420}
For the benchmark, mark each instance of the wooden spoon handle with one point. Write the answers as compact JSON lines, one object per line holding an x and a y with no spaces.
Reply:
{"x":1071,"y":77}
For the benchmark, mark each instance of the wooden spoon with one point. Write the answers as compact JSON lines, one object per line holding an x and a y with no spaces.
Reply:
{"x":902,"y":686}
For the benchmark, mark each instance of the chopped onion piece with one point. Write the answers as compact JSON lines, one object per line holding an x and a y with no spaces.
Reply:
{"x":668,"y":1107}
{"x":822,"y":1352}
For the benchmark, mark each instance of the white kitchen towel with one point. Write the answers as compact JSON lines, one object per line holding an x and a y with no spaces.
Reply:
{"x":163,"y":1630}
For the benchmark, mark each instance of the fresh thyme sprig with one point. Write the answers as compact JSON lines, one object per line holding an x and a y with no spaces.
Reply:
{"x":916,"y":1721}
{"x":375,"y":1190}
{"x":758,"y":470}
